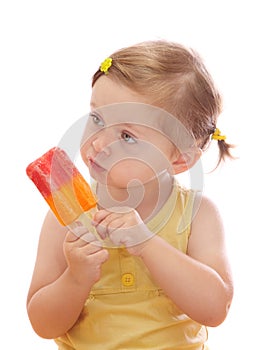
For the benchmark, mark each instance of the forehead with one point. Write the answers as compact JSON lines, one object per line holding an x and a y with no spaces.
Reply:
{"x":106,"y":91}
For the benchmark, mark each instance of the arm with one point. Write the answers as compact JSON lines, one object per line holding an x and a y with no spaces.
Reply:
{"x":66,"y":268}
{"x":200,"y":282}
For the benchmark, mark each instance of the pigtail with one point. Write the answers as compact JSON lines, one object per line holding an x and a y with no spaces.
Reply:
{"x":224,"y":147}
{"x":224,"y":151}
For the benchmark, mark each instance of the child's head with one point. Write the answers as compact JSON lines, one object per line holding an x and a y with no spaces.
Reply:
{"x":175,"y":79}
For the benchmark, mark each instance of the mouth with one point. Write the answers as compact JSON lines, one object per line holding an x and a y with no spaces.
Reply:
{"x":93,"y":165}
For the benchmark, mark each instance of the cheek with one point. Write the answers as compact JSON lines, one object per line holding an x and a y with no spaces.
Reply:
{"x":84,"y":152}
{"x":128,"y":170}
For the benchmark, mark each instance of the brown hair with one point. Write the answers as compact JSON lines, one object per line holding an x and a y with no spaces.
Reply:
{"x":175,"y":79}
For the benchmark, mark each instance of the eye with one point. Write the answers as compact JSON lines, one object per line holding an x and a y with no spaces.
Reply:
{"x":127,"y":137}
{"x":96,"y":119}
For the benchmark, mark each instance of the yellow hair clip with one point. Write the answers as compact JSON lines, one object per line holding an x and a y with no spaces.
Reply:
{"x":105,"y":65}
{"x":217,"y":135}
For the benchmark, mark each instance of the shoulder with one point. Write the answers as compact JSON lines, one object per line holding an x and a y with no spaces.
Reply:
{"x":206,"y":214}
{"x":207,"y":230}
{"x":204,"y":209}
{"x":52,"y":229}
{"x":51,"y":241}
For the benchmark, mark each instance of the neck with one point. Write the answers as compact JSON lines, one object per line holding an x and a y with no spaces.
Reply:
{"x":147,"y":198}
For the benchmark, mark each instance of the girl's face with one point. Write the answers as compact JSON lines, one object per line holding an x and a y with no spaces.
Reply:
{"x":119,"y":146}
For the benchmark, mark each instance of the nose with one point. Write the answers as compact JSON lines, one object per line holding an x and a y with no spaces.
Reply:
{"x":101,"y":142}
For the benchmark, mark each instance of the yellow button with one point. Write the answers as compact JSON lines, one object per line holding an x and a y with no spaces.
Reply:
{"x":128,"y":279}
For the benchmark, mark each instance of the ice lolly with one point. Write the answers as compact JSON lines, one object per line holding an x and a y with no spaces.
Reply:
{"x":62,"y":186}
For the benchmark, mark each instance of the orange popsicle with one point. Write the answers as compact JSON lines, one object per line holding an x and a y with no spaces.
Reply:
{"x":62,"y":185}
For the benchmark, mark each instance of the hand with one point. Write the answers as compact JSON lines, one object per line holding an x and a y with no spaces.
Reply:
{"x":124,"y":227}
{"x":84,"y":257}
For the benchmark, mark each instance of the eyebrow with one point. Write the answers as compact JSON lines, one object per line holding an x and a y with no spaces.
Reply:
{"x":134,"y":126}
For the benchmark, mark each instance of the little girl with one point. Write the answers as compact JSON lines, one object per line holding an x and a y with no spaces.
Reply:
{"x":163,"y":275}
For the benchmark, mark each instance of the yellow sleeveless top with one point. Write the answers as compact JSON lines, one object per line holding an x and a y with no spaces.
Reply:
{"x":126,"y":309}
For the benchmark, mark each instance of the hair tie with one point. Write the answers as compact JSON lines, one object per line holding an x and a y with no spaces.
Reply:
{"x":217,"y":135}
{"x":105,"y":65}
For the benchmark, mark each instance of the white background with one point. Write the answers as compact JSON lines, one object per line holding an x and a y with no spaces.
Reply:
{"x":49,"y":51}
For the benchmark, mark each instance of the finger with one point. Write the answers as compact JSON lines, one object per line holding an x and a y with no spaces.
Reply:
{"x":109,"y":225}
{"x":114,"y":224}
{"x":82,"y":240}
{"x":89,"y":237}
{"x":102,"y":255}
{"x":71,"y":237}
{"x":91,"y":248}
{"x":109,"y":220}
{"x":100,"y":222}
{"x":80,"y":230}
{"x":120,"y":235}
{"x":99,"y":216}
{"x":103,"y":214}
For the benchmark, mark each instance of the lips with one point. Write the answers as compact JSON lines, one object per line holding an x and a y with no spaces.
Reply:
{"x":95,"y":166}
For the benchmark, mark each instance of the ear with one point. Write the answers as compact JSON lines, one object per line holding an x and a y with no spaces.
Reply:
{"x":186,"y":160}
